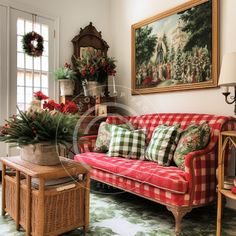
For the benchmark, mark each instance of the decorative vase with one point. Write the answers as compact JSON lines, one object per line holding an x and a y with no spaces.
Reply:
{"x":67,"y":87}
{"x":44,"y":154}
{"x":94,"y":88}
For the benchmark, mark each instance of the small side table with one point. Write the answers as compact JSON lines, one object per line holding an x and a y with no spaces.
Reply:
{"x":45,"y":211}
{"x":225,"y":138}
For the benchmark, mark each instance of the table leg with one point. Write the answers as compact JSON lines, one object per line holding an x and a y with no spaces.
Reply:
{"x":219,"y":211}
{"x":17,"y":199}
{"x":28,"y":206}
{"x":41,"y":210}
{"x":3,"y":189}
{"x":86,"y":212}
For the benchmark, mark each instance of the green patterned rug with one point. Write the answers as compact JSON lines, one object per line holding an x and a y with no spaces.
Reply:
{"x":114,"y":213}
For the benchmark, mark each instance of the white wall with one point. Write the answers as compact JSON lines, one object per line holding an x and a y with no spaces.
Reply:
{"x":127,"y":12}
{"x":73,"y":15}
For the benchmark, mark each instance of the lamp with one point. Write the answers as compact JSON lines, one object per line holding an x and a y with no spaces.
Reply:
{"x":228,"y":77}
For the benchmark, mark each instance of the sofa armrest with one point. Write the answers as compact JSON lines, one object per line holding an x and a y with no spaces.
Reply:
{"x":87,"y":143}
{"x":200,"y":170}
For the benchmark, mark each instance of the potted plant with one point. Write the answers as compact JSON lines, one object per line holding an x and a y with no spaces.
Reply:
{"x":66,"y":76}
{"x":39,"y":132}
{"x":93,"y":70}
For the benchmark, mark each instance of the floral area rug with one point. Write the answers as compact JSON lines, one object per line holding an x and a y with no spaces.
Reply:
{"x":115,"y":213}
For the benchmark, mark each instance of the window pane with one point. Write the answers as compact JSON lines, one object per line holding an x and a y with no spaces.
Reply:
{"x":20,"y":60}
{"x":44,"y":80}
{"x":19,"y":44}
{"x":32,"y":73}
{"x":45,"y":50}
{"x":37,"y":28}
{"x":29,"y":95}
{"x":45,"y":91}
{"x":36,"y":89}
{"x":36,"y":80}
{"x":37,"y":63}
{"x":20,"y":27}
{"x":29,"y":79}
{"x":20,"y":78}
{"x":28,"y":26}
{"x":20,"y":95}
{"x":29,"y":62}
{"x":21,"y":106}
{"x":45,"y":63}
{"x":45,"y":32}
{"x":27,"y":105}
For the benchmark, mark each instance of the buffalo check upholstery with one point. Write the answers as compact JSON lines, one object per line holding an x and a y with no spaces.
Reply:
{"x":193,"y":186}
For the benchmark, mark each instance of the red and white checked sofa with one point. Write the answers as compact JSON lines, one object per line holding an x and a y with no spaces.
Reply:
{"x":180,"y":190}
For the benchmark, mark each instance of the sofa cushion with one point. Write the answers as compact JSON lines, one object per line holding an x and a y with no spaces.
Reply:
{"x":170,"y":178}
{"x":104,"y":136}
{"x":127,"y":143}
{"x":195,"y":137}
{"x":163,"y":143}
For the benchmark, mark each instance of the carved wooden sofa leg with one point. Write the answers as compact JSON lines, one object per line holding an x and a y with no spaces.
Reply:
{"x":179,"y":213}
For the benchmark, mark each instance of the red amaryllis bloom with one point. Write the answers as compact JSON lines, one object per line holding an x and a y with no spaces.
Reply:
{"x":40,"y":96}
{"x":50,"y":105}
{"x":70,"y":107}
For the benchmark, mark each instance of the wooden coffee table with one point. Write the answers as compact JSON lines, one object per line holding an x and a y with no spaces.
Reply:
{"x":45,"y":210}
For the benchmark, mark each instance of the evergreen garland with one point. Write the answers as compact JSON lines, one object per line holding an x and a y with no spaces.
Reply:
{"x":28,"y":46}
{"x":39,"y":126}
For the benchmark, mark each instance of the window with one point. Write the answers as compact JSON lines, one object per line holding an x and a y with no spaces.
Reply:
{"x":32,"y":72}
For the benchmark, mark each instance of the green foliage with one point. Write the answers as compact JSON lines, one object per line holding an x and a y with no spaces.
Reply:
{"x":39,"y":126}
{"x":167,"y":47}
{"x":179,"y":64}
{"x":145,"y":45}
{"x":198,"y":22}
{"x":64,"y":73}
{"x":172,"y":54}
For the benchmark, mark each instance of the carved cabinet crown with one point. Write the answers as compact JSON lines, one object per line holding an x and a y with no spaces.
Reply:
{"x":89,"y":37}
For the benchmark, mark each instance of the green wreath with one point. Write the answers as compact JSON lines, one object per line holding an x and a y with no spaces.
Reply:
{"x":28,"y":44}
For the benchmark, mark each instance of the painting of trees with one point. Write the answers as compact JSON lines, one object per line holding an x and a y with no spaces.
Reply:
{"x":175,"y":51}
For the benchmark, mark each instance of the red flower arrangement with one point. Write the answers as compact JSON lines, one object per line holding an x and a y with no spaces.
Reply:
{"x":68,"y":107}
{"x":51,"y":105}
{"x":40,"y":96}
{"x":94,"y":67}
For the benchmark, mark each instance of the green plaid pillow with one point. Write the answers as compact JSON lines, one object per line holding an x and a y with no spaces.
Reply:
{"x":104,"y":136}
{"x":127,"y":143}
{"x":163,"y":143}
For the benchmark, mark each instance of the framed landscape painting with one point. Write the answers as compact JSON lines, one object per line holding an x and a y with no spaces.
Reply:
{"x":177,"y":49}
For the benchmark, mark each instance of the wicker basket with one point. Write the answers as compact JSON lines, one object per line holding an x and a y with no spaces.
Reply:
{"x":44,"y":154}
{"x":64,"y":210}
